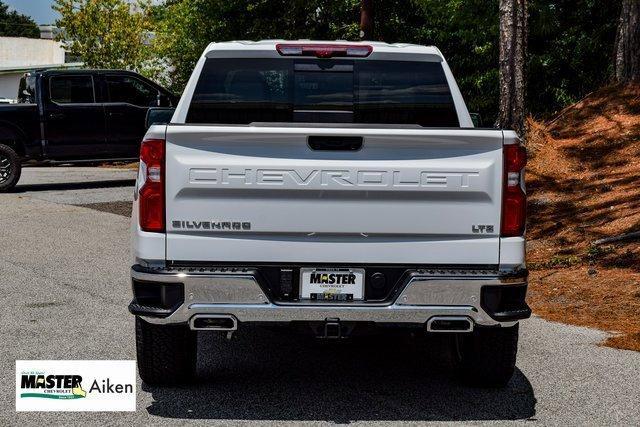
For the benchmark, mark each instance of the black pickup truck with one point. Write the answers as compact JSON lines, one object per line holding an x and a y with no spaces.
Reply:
{"x":76,"y":116}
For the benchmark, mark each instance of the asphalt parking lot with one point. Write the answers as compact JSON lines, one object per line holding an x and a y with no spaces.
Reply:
{"x":64,"y":260}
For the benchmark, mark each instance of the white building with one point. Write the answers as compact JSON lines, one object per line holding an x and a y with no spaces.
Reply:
{"x":19,"y":55}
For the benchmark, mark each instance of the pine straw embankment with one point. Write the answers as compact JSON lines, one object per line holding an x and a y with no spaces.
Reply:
{"x":583,"y":181}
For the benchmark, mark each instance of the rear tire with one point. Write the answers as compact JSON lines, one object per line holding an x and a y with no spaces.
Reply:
{"x":166,"y":353}
{"x":487,"y":356}
{"x":10,"y":168}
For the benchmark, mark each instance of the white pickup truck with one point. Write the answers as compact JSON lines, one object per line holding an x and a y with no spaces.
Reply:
{"x":336,"y":186}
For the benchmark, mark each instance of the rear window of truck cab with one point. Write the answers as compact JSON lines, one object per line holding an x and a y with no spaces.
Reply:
{"x":247,"y":90}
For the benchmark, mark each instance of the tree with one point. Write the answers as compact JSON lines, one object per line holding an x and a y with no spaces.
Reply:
{"x":13,"y":24}
{"x":513,"y":53}
{"x":366,"y":20}
{"x":627,"y":49}
{"x":106,"y":33}
{"x":569,"y":50}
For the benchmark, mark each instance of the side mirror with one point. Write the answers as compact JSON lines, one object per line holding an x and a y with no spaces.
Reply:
{"x":158,"y":115}
{"x":476,"y":118}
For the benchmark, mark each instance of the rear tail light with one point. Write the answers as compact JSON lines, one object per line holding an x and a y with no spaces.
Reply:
{"x":324,"y":50}
{"x":514,"y":200}
{"x":151,"y":200}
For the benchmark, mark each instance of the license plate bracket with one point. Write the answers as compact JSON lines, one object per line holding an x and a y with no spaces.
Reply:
{"x":332,"y":284}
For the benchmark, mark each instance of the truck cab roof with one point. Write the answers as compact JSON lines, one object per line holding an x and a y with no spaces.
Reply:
{"x":84,"y":71}
{"x":378,"y":47}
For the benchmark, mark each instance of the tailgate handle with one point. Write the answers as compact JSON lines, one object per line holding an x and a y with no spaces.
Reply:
{"x":335,"y":143}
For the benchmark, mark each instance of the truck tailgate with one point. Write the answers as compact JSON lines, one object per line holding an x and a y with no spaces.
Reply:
{"x":253,"y":194}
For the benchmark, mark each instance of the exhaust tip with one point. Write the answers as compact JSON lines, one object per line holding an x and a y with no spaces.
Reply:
{"x":449,"y":324}
{"x":213,"y":322}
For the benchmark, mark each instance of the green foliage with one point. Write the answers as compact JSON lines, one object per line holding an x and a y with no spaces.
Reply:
{"x":106,"y":33}
{"x":571,"y":47}
{"x":563,"y":261}
{"x":13,"y":24}
{"x":595,"y":252}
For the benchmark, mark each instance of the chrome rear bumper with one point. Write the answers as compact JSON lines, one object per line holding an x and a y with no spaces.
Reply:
{"x":429,"y":293}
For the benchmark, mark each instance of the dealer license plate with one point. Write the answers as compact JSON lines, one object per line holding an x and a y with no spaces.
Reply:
{"x":333,"y":284}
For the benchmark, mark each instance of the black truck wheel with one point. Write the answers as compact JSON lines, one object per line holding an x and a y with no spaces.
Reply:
{"x":10,"y":168}
{"x":166,"y":353}
{"x":487,"y":356}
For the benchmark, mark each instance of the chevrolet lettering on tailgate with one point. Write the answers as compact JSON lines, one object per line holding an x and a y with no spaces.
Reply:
{"x":333,"y":177}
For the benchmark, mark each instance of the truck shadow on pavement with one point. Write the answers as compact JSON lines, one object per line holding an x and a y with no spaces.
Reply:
{"x":61,"y":186}
{"x":274,"y":375}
